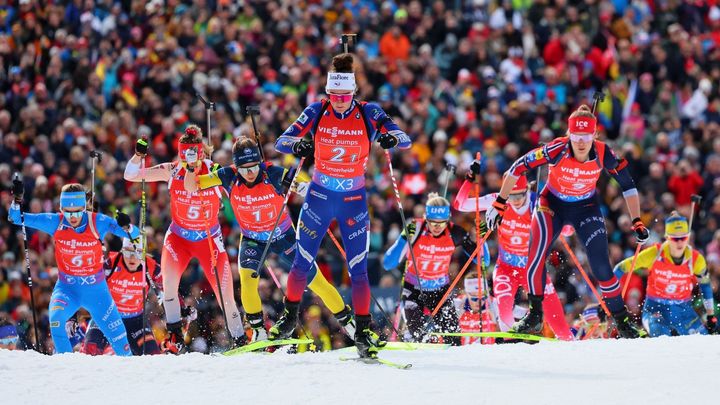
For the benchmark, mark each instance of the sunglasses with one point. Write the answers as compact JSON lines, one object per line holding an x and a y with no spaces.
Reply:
{"x":516,"y":197}
{"x":9,"y":341}
{"x":245,"y":171}
{"x":340,"y":98}
{"x":132,"y":253}
{"x":74,"y":214}
{"x":678,"y":238}
{"x":582,"y":138}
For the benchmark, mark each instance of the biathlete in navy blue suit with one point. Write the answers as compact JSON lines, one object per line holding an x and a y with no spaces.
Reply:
{"x":341,"y":133}
{"x":569,"y":197}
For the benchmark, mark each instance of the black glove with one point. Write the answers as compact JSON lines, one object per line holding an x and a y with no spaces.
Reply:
{"x":188,"y":313}
{"x":423,"y":298}
{"x":711,"y":324}
{"x":641,"y":232}
{"x":388,"y":141}
{"x":18,"y":189}
{"x":141,"y":147}
{"x":303,"y":148}
{"x":468,"y":244}
{"x":409,"y":231}
{"x":122,"y":219}
{"x":474,"y":170}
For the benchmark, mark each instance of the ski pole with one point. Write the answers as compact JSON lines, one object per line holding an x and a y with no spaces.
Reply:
{"x":279,"y":216}
{"x":94,"y":154}
{"x":252,"y":111}
{"x":210,"y":106}
{"x":29,"y":274}
{"x":450,"y":171}
{"x":695,"y":200}
{"x":632,"y":269}
{"x":377,"y":303}
{"x":459,"y":276}
{"x":402,"y":217}
{"x":585,"y":276}
{"x":598,"y":97}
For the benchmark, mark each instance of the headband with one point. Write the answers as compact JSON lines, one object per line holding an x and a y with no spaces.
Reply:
{"x":582,"y":125}
{"x":71,"y":199}
{"x":471,"y":286}
{"x":246,"y":155}
{"x":184,"y":148}
{"x":677,"y":226}
{"x":340,"y":81}
{"x":437,"y":212}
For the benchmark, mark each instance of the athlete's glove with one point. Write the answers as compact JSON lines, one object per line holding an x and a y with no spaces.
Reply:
{"x":388,"y":141}
{"x":300,"y":188}
{"x":711,"y":324}
{"x":141,"y":147}
{"x":641,"y":232}
{"x":474,"y":170}
{"x":409,"y":232}
{"x":494,"y":215}
{"x":74,"y":331}
{"x":188,"y":314}
{"x":122,"y":219}
{"x":18,"y":189}
{"x":303,"y":148}
{"x":468,"y":244}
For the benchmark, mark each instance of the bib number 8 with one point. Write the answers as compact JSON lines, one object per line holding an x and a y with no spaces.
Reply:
{"x":671,"y":288}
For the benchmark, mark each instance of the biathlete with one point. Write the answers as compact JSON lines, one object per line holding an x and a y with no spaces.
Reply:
{"x":194,"y":220}
{"x":124,"y":274}
{"x":673,"y":268}
{"x":436,"y":242}
{"x":513,"y":242}
{"x":78,"y":237}
{"x":256,"y":196}
{"x":341,"y":132}
{"x":569,"y":197}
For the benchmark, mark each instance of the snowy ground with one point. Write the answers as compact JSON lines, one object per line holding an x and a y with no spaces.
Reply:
{"x":649,"y":371}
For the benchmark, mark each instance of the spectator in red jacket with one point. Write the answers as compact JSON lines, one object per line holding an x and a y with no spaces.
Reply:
{"x":684,"y":182}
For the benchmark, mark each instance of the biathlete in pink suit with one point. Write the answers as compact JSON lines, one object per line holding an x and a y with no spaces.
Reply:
{"x":193,"y":214}
{"x":513,"y":242}
{"x":569,"y":197}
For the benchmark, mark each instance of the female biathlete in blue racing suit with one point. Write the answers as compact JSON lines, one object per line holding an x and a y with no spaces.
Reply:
{"x":341,"y":132}
{"x":569,"y":197}
{"x":78,"y":237}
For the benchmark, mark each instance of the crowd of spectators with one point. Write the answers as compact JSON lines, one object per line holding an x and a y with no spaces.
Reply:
{"x":498,"y":77}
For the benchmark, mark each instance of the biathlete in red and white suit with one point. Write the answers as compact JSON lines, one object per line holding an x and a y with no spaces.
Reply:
{"x":124,"y":274}
{"x":434,"y":247}
{"x":513,"y":242}
{"x":569,"y":197}
{"x":193,"y":216}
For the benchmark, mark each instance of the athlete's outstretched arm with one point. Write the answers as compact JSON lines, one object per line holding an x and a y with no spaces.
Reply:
{"x":617,"y":168}
{"x":464,"y":203}
{"x":382,"y":123}
{"x":222,"y":177}
{"x":645,"y":259}
{"x":46,"y":222}
{"x":703,"y":277}
{"x":134,"y":173}
{"x":537,"y":157}
{"x":107,"y":224}
{"x":395,"y":255}
{"x":298,"y":129}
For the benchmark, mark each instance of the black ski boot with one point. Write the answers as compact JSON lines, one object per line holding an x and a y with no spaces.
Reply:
{"x":285,"y":326}
{"x":175,"y":342}
{"x":367,"y":342}
{"x":257,"y":323}
{"x":347,"y":321}
{"x":625,"y":326}
{"x":532,"y":322}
